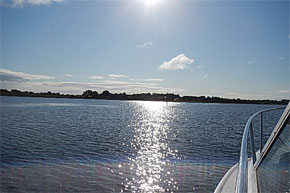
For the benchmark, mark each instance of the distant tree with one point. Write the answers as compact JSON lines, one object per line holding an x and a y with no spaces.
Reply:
{"x":87,"y":93}
{"x":95,"y":94}
{"x":143,"y":96}
{"x":15,"y":90}
{"x":106,"y":93}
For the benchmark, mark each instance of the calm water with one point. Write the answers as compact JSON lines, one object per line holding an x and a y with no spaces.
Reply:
{"x":78,"y":145}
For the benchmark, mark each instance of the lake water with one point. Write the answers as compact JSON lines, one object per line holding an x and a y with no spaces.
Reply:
{"x":80,"y":145}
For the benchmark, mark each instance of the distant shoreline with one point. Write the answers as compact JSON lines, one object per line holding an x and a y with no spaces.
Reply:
{"x":169,"y":97}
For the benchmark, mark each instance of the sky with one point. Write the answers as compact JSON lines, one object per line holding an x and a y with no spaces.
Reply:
{"x":232,"y":49}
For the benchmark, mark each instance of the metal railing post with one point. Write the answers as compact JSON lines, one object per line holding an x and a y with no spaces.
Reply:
{"x":252,"y":143}
{"x":242,"y":178}
{"x":261,"y":132}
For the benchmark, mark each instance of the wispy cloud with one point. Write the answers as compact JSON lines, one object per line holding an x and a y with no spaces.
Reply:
{"x":8,"y":75}
{"x":95,"y":77}
{"x":145,"y":45}
{"x":19,"y":3}
{"x":79,"y":87}
{"x":280,"y":58}
{"x":148,"y":79}
{"x":68,"y":75}
{"x":250,"y":61}
{"x":41,"y":83}
{"x":235,"y":95}
{"x":117,"y":76}
{"x":252,"y":95}
{"x":205,"y":76}
{"x":177,"y":63}
{"x":153,"y":80}
{"x":283,"y":91}
{"x":200,"y":66}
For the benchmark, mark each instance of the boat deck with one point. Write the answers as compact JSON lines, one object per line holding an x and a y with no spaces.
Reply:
{"x":228,"y":182}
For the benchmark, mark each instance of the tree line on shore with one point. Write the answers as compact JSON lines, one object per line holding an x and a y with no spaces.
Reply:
{"x":170,"y":97}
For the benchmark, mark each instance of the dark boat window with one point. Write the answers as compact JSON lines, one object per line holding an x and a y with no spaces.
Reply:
{"x":273,"y":172}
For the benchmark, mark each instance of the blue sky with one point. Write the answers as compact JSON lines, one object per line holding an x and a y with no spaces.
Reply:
{"x":229,"y":49}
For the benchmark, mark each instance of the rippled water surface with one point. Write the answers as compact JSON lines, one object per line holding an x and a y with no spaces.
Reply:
{"x":78,"y":145}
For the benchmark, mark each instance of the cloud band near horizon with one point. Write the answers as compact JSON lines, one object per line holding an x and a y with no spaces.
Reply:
{"x":20,"y":3}
{"x":42,"y":83}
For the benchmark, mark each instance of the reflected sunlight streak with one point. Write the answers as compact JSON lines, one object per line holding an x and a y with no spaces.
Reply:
{"x":151,"y":163}
{"x":153,"y":106}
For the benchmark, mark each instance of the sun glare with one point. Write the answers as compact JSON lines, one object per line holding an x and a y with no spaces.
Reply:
{"x":151,"y":3}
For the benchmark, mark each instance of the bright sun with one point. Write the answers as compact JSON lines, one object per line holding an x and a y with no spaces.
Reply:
{"x":151,"y":3}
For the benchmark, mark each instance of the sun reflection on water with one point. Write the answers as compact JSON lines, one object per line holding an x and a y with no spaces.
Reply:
{"x":152,"y":106}
{"x":151,"y":164}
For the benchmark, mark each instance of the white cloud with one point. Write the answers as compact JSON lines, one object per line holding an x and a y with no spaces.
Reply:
{"x":68,"y":75}
{"x":145,"y":45}
{"x":176,"y":63}
{"x":8,"y":75}
{"x":117,"y":76}
{"x":18,"y":3}
{"x":205,"y":76}
{"x":95,"y":77}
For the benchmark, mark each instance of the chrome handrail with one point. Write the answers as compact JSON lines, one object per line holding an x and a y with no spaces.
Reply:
{"x":243,"y":162}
